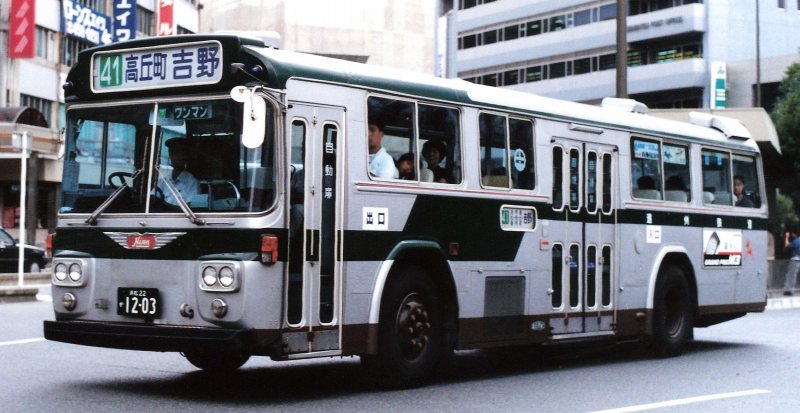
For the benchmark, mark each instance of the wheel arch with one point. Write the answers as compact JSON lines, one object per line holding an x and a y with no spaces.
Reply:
{"x":429,"y":256}
{"x":673,"y":256}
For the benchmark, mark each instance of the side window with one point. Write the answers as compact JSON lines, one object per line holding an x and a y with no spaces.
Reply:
{"x":574,"y":179}
{"x":677,"y":185}
{"x":607,"y":182}
{"x":523,"y":171}
{"x":558,"y":177}
{"x":591,"y":182}
{"x":440,"y":145}
{"x":494,"y":157}
{"x":646,"y":169}
{"x":390,"y":135}
{"x":716,"y":178}
{"x":745,"y":182}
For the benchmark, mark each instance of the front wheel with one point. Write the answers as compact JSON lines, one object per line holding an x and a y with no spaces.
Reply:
{"x":411,"y":342}
{"x":216,"y":362}
{"x":673,"y":317}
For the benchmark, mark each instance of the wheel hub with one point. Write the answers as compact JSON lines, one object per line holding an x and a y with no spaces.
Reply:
{"x":413,"y":326}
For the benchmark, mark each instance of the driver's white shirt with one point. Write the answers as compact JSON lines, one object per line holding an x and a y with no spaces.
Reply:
{"x":186,"y":184}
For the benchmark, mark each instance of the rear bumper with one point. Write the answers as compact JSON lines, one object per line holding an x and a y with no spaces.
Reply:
{"x":156,"y":338}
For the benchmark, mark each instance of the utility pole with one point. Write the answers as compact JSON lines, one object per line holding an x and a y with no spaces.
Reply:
{"x":758,"y":56}
{"x":622,"y":48}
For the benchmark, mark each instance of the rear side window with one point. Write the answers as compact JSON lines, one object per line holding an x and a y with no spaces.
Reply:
{"x":716,"y":177}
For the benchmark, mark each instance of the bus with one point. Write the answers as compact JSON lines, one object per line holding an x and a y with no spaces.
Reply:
{"x":223,"y":199}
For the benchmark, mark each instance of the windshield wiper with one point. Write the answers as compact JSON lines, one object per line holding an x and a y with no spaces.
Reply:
{"x":181,"y":202}
{"x":96,"y":214}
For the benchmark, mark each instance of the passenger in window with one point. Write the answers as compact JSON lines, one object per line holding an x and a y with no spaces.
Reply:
{"x":742,"y":200}
{"x":183,"y":180}
{"x":434,"y":152}
{"x":646,"y":182}
{"x":405,"y":166}
{"x":381,"y":164}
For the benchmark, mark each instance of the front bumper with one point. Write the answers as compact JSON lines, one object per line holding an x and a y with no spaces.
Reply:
{"x":158,"y":338}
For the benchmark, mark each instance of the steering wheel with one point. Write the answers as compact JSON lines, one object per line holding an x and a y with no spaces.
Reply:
{"x":119,"y":175}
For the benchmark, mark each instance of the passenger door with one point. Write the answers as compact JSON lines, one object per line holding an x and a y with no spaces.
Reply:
{"x":582,"y":240}
{"x":313,"y":278}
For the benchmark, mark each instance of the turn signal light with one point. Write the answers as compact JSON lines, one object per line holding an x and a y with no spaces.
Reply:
{"x":269,"y":249}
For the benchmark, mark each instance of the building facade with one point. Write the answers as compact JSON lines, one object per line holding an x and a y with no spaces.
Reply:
{"x":681,"y":53}
{"x":59,"y":30}
{"x":381,"y":32}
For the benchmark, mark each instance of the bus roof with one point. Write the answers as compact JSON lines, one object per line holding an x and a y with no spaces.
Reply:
{"x":283,"y":65}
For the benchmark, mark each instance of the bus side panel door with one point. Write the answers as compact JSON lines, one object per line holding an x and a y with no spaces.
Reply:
{"x":600,"y":200}
{"x":316,"y":195}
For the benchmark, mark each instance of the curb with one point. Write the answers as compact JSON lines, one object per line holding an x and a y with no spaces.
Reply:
{"x":783,"y":303}
{"x":17,"y":294}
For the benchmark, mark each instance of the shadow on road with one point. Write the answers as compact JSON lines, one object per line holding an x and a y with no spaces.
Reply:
{"x":320,"y":379}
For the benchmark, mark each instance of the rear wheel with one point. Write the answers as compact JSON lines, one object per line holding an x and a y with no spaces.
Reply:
{"x":216,"y":362}
{"x":33,"y":267}
{"x":673,"y":317}
{"x":411,"y":341}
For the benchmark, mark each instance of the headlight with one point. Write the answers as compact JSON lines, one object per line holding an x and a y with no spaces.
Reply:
{"x":226,"y":276}
{"x":75,"y":272}
{"x":60,"y":272}
{"x":209,"y":276}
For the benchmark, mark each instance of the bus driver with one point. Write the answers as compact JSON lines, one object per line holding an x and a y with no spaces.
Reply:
{"x":183,"y":180}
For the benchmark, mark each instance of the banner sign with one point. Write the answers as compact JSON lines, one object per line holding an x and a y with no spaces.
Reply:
{"x":124,"y":20}
{"x":22,"y":32}
{"x":719,"y":80}
{"x":85,"y":24}
{"x":166,"y":26}
{"x":722,"y":248}
{"x":188,"y":64}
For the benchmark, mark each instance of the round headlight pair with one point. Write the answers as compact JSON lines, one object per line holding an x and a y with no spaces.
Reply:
{"x":224,"y":276}
{"x":75,"y":272}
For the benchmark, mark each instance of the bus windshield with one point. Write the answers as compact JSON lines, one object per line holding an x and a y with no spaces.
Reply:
{"x":163,"y":155}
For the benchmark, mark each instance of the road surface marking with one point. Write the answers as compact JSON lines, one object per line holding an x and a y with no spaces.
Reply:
{"x":689,"y":400}
{"x":25,"y":341}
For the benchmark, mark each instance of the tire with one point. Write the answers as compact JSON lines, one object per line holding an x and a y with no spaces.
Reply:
{"x":33,"y":267}
{"x":673,"y":315}
{"x":217,"y":362}
{"x":411,"y":339}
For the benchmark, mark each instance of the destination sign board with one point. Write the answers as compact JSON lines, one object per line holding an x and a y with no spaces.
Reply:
{"x":188,"y":64}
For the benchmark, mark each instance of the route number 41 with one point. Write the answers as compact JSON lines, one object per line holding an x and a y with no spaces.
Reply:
{"x":110,"y":70}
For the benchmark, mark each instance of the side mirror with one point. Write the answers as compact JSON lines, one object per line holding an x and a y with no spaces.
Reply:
{"x":253,"y":116}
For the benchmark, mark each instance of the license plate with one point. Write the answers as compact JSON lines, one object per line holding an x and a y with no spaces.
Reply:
{"x":138,"y":302}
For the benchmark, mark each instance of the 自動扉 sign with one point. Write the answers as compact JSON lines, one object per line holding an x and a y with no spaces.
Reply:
{"x":188,"y":64}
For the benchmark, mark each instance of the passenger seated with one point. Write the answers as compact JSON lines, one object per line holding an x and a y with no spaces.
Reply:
{"x":646,"y":188}
{"x":675,"y":189}
{"x":405,"y":166}
{"x":741,"y":200}
{"x":434,"y":152}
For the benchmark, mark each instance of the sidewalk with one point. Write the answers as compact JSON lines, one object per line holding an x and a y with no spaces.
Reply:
{"x":11,"y":292}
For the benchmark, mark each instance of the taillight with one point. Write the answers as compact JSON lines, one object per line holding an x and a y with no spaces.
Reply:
{"x":48,"y":245}
{"x":269,"y":249}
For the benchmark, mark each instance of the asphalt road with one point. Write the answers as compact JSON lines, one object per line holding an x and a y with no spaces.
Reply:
{"x":746,"y":365}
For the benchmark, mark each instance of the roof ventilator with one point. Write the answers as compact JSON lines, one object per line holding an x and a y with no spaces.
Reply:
{"x":625,"y":105}
{"x":730,"y":127}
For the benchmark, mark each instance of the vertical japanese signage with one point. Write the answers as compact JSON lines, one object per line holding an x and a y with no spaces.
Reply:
{"x":22,"y":31}
{"x":124,"y":20}
{"x":85,"y":24}
{"x":166,"y":26}
{"x":719,"y":80}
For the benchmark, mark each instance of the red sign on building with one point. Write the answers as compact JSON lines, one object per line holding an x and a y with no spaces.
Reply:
{"x":166,"y":26}
{"x":22,"y":30}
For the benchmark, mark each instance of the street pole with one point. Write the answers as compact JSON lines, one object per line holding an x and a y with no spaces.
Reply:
{"x":622,"y":49}
{"x":758,"y":56}
{"x":23,"y":183}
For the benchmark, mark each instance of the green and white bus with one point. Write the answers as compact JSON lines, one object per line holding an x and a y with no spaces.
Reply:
{"x":217,"y":201}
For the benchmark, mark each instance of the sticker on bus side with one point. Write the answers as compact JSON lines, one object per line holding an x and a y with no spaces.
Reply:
{"x":722,"y":248}
{"x":187,"y":64}
{"x":375,"y":219}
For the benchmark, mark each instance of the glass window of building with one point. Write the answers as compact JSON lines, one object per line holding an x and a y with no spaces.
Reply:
{"x":144,"y":21}
{"x":45,"y":43}
{"x":608,"y":12}
{"x":582,"y":17}
{"x":42,"y":105}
